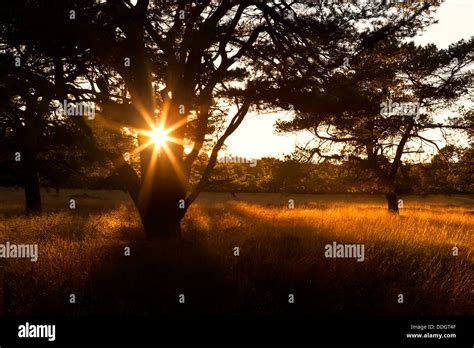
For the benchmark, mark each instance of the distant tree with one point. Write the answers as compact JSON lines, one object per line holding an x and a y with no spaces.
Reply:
{"x":375,"y":108}
{"x":466,"y":170}
{"x":450,"y":171}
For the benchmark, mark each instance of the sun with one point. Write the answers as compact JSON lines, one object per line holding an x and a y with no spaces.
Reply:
{"x":158,"y":136}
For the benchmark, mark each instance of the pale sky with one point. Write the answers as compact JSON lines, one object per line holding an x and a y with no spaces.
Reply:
{"x":256,"y":137}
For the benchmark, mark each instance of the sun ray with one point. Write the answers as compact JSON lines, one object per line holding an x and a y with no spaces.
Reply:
{"x":160,"y":138}
{"x":149,"y":176}
{"x":173,"y":160}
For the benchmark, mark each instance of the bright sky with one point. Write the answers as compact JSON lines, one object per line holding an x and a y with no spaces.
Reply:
{"x":256,"y":138}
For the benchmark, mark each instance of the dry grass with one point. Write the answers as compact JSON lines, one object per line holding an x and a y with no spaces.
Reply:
{"x":281,"y":252}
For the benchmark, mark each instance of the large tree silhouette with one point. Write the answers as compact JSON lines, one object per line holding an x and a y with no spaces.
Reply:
{"x":196,"y":52}
{"x":172,"y":65}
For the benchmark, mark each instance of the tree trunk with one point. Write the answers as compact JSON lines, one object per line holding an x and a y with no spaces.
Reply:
{"x":156,"y":195}
{"x":162,"y":192}
{"x":158,"y":225}
{"x":32,"y":193}
{"x":159,"y":203}
{"x":162,"y":183}
{"x":162,"y":186}
{"x":392,"y":202}
{"x":29,"y":165}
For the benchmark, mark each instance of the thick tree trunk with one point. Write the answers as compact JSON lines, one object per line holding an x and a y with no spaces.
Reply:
{"x":161,"y":186}
{"x":162,"y":192}
{"x":157,"y":196}
{"x":157,"y":225}
{"x":159,"y":203}
{"x":392,"y":201}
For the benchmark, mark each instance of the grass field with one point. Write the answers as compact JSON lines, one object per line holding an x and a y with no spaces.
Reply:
{"x":81,"y":252}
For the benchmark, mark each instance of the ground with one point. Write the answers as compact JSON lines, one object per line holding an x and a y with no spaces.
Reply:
{"x":281,"y":252}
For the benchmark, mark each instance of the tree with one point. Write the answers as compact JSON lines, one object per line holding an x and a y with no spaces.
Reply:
{"x":176,"y":63}
{"x":36,"y":69}
{"x":196,"y":51}
{"x":376,"y":108}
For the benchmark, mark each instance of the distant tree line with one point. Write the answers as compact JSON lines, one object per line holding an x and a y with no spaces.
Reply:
{"x":449,"y":172}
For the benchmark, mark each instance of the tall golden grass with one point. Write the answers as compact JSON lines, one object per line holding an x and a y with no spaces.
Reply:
{"x":281,"y":252}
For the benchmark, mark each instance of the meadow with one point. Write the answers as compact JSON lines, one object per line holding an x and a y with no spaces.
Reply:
{"x":281,"y":252}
